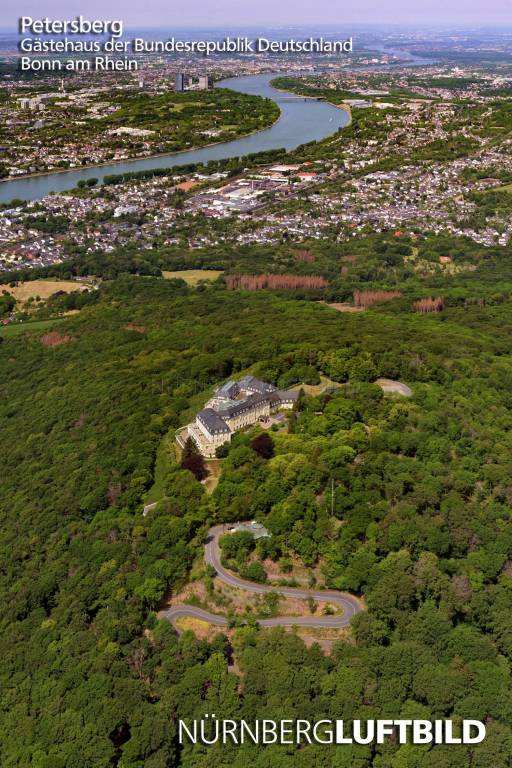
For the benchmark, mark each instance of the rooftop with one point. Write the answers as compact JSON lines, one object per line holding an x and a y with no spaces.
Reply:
{"x":227,"y":390}
{"x":212,"y":421}
{"x":258,"y":530}
{"x":256,"y":385}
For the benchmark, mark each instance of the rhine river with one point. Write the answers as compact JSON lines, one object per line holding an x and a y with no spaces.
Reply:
{"x":301,"y":121}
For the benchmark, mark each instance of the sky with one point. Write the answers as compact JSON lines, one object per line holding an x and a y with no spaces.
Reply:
{"x":176,"y":13}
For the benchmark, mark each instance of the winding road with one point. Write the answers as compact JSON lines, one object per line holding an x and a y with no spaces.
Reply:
{"x":349,"y":604}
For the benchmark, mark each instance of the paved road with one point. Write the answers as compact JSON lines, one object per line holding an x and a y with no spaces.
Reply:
{"x":349,"y":604}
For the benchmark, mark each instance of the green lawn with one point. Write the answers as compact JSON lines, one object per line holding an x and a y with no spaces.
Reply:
{"x":165,"y":458}
{"x":30,"y":325}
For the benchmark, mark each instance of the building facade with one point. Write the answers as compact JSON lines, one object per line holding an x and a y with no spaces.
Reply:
{"x":234,"y":406}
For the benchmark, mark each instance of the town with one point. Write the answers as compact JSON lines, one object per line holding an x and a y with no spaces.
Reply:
{"x":344,"y":193}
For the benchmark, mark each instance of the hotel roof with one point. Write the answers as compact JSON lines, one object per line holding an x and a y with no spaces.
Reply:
{"x":227,"y":390}
{"x":243,"y":405}
{"x":212,"y":421}
{"x":252,"y":383}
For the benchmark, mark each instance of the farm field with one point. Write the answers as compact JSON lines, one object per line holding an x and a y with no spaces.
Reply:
{"x":193,"y":276}
{"x":43,"y":289}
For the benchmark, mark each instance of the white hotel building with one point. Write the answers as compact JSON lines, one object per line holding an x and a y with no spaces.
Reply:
{"x":236,"y":405}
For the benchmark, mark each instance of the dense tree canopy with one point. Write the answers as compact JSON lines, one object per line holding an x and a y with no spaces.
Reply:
{"x":406,"y":501}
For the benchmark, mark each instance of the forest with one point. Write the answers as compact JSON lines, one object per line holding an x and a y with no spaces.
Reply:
{"x":403,"y":501}
{"x":376,"y":261}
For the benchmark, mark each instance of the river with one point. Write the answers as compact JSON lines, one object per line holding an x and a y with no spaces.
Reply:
{"x":301,"y":121}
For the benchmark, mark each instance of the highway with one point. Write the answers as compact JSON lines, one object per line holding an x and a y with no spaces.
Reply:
{"x":348,"y":604}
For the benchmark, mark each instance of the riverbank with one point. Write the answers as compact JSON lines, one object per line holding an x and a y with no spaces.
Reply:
{"x":139,"y":158}
{"x":345,"y":107}
{"x":299,"y":122}
{"x":90,"y":166}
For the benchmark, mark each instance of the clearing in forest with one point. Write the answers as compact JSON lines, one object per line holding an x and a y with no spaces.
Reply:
{"x":43,"y":289}
{"x":193,"y":276}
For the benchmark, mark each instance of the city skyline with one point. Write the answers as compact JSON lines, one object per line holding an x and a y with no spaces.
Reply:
{"x":204,"y":14}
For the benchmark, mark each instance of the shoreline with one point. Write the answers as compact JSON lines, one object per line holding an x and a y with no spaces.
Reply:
{"x":345,"y":107}
{"x":166,"y":162}
{"x":89,"y":166}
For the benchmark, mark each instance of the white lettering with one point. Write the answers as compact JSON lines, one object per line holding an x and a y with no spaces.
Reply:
{"x":467,"y":738}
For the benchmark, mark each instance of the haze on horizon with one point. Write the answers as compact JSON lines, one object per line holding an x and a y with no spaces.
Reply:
{"x":204,"y":13}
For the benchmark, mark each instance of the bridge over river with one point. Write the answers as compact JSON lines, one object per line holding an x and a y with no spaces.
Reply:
{"x":302,"y":120}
